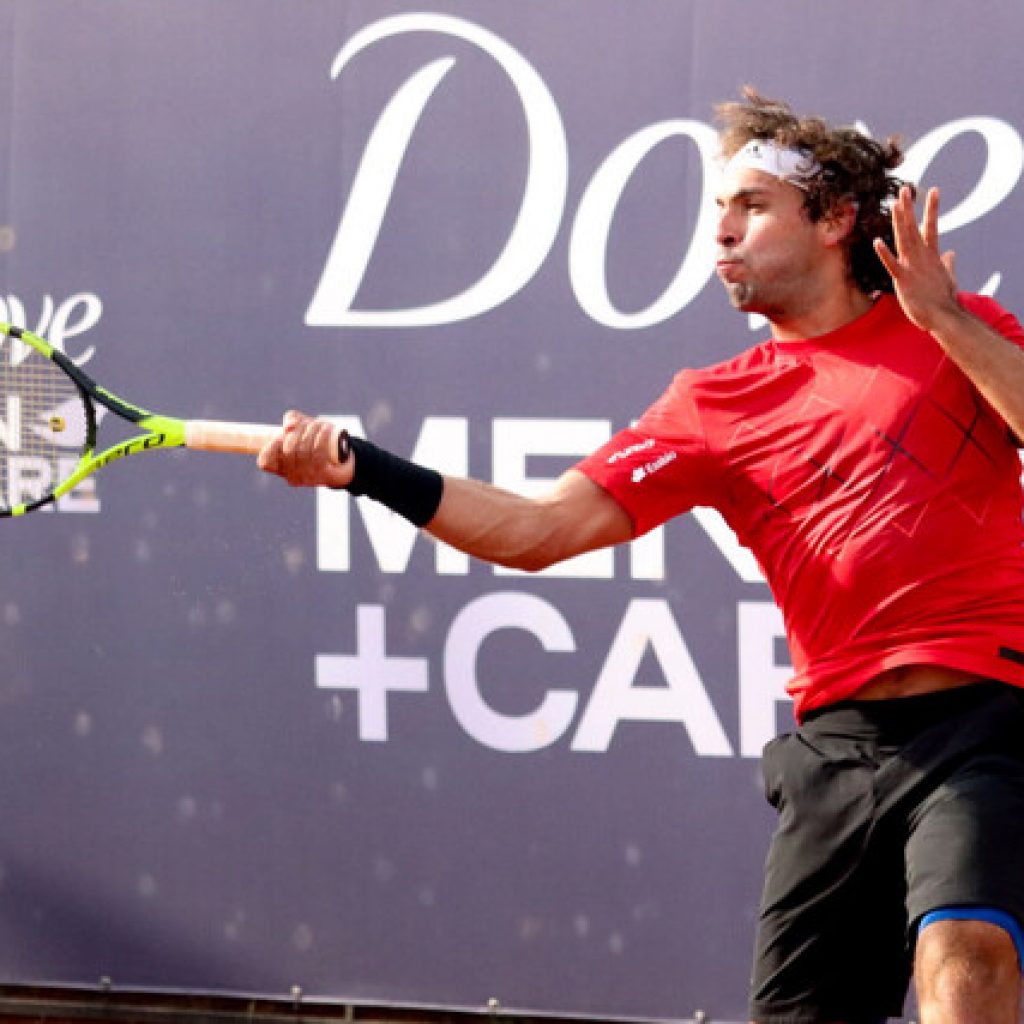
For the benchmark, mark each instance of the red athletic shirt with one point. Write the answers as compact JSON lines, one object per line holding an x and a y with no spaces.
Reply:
{"x":879,"y":492}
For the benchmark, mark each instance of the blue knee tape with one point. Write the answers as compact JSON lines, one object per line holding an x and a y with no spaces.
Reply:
{"x":1000,"y":918}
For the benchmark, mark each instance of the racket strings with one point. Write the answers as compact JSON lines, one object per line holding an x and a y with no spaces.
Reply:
{"x":45,"y":424}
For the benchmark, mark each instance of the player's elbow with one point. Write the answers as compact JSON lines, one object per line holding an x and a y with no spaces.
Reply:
{"x":537,"y":552}
{"x":533,"y":561}
{"x":558,"y":533}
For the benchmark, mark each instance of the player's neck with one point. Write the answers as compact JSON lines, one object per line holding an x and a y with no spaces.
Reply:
{"x":838,"y":308}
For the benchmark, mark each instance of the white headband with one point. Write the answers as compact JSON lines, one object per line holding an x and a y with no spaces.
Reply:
{"x":787,"y":164}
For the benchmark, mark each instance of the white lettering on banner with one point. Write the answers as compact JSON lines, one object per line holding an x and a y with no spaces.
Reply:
{"x":10,"y":426}
{"x":542,"y":207}
{"x":539,"y":215}
{"x":372,"y":673}
{"x":762,"y":679}
{"x":58,"y":324}
{"x":443,"y":444}
{"x":588,"y":244}
{"x":648,"y":627}
{"x":480,"y":619}
{"x":29,"y":477}
{"x":515,"y":440}
{"x":82,"y":498}
{"x":1004,"y":162}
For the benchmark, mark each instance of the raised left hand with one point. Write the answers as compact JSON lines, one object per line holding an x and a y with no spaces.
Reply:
{"x":923,"y":279}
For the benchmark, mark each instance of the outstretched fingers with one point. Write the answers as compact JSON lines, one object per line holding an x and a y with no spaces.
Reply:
{"x":930,"y":226}
{"x":922,"y":276}
{"x":912,"y":241}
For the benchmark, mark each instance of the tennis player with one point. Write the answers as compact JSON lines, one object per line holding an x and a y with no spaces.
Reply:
{"x":867,"y":454}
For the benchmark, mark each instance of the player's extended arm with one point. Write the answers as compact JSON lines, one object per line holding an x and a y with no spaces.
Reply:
{"x":529,"y":533}
{"x":480,"y":519}
{"x":926,"y":288}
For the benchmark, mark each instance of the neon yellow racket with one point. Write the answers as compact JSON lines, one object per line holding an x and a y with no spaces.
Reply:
{"x":48,"y":425}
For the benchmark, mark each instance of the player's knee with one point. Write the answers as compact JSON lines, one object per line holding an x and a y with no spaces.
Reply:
{"x":958,"y":959}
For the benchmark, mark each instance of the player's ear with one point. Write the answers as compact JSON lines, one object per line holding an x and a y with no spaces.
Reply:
{"x":838,"y":223}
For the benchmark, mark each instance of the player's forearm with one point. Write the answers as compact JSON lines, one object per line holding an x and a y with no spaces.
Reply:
{"x":503,"y":528}
{"x":994,"y":364}
{"x":484,"y":521}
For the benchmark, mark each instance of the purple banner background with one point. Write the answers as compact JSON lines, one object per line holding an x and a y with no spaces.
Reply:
{"x":198,"y":791}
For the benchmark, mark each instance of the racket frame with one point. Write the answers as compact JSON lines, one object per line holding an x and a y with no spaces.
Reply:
{"x":159,"y":431}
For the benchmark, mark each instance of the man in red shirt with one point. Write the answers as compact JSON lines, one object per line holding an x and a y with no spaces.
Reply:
{"x":866,"y":453}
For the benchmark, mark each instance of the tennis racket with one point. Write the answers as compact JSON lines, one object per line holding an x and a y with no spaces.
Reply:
{"x":49,"y":414}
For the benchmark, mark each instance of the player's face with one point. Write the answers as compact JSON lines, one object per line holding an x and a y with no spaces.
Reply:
{"x":768,"y":248}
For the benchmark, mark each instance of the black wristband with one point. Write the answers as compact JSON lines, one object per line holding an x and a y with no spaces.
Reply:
{"x":414,"y":492}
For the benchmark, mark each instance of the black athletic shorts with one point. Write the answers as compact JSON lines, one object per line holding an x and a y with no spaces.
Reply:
{"x":887,"y":810}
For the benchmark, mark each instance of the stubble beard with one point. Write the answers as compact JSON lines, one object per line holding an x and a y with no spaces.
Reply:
{"x":746,"y":297}
{"x":740,"y":295}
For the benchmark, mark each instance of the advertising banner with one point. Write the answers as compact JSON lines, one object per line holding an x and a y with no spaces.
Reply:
{"x":255,"y":738}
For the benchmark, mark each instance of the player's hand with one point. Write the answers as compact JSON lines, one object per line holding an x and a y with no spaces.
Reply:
{"x":923,"y":279}
{"x":305,"y":453}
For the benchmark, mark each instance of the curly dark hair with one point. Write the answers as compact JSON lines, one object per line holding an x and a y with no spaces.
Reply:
{"x":854,"y":167}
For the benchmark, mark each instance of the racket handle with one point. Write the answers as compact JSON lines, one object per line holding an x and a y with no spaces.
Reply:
{"x":219,"y":436}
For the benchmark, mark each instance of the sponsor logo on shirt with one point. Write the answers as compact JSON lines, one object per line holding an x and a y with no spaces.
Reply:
{"x":633,"y":449}
{"x":642,"y":472}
